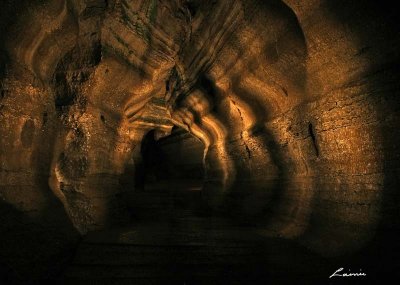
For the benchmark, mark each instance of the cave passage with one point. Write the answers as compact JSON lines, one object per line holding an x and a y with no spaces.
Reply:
{"x":169,"y":176}
{"x":174,"y":158}
{"x":199,"y":141}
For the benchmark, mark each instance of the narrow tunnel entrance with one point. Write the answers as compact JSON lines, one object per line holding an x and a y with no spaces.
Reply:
{"x":154,"y":165}
{"x":177,"y":157}
{"x":170,"y":176}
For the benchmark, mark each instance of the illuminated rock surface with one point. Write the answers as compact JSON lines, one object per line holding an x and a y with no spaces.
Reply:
{"x":278,"y":119}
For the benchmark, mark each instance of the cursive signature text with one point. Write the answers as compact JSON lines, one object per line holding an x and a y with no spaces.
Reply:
{"x":344,"y":274}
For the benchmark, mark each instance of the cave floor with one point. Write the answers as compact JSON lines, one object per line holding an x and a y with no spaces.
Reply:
{"x":171,"y":244}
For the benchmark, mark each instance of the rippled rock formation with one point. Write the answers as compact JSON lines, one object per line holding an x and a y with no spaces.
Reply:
{"x":292,"y":109}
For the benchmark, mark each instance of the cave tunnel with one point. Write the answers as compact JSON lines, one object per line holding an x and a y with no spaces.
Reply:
{"x":199,"y":142}
{"x":176,"y":157}
{"x":169,"y":176}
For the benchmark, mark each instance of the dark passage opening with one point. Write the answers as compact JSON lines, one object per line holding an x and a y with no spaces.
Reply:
{"x":170,"y":176}
{"x":178,"y":156}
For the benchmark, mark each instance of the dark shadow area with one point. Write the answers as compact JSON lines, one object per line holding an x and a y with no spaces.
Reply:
{"x":155,"y":164}
{"x":34,"y":251}
{"x":169,"y":177}
{"x":167,"y":159}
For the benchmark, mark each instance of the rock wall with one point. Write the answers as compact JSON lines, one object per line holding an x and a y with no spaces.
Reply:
{"x":288,"y":100}
{"x":294,"y":102}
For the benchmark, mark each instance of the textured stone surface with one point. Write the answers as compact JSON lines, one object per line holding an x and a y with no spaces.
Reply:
{"x":291,"y":110}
